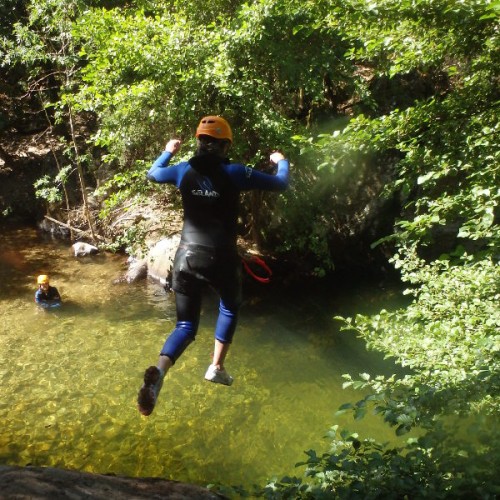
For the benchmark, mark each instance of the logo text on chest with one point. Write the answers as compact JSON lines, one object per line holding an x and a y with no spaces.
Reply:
{"x":205,"y":193}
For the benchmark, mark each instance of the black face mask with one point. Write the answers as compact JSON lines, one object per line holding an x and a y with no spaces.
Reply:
{"x":210,"y":153}
{"x":209,"y":146}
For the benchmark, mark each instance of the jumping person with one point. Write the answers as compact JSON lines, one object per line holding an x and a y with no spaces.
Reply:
{"x":46,"y":296}
{"x":210,"y":187}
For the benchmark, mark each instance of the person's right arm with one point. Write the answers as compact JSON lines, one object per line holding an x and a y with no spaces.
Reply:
{"x":38,"y":299}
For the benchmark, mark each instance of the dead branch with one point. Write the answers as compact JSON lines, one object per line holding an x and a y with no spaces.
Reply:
{"x":92,"y":236}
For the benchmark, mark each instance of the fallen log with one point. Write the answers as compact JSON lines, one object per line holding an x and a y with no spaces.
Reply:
{"x":71,"y":228}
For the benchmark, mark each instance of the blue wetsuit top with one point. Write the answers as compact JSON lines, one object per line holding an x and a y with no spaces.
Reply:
{"x":210,"y":190}
{"x":50,"y":298}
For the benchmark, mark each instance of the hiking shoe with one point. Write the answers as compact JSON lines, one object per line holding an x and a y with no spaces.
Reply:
{"x":148,"y":394}
{"x":218,"y":376}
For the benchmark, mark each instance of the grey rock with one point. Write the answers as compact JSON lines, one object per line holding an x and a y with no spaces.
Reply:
{"x":82,"y":249}
{"x":47,"y":483}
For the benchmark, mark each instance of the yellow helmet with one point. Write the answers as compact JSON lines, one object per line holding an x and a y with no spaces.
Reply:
{"x":43,"y":278}
{"x":215,"y":126}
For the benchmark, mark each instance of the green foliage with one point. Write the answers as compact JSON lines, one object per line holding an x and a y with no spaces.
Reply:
{"x":356,"y":468}
{"x":395,"y":100}
{"x":448,"y":336}
{"x":131,"y":240}
{"x":44,"y":39}
{"x":151,"y":73}
{"x":120,"y":188}
{"x":51,"y":189}
{"x":10,"y":12}
{"x":448,"y":174}
{"x":158,"y":74}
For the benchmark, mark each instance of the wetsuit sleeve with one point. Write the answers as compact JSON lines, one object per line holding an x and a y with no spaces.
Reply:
{"x":160,"y":173}
{"x":43,"y":301}
{"x":247,"y":178}
{"x":55,"y":294}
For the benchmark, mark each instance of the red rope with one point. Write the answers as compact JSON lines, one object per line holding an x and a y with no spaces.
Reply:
{"x":257,"y":260}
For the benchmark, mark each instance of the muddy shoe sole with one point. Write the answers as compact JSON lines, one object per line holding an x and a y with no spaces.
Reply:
{"x":148,"y":393}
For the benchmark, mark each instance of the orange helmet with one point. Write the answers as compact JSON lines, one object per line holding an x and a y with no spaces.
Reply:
{"x":43,"y":278}
{"x":215,"y":126}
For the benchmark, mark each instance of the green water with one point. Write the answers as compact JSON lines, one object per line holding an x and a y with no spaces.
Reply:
{"x":70,"y":376}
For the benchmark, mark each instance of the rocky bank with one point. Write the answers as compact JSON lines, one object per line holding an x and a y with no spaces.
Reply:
{"x":47,"y":483}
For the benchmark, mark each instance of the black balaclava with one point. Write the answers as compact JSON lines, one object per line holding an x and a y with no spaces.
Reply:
{"x":210,"y":153}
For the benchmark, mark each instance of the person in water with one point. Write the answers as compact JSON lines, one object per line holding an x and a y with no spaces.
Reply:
{"x":46,"y":296}
{"x":210,"y":187}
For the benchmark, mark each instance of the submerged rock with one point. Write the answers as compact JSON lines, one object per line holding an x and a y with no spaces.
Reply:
{"x":48,"y":483}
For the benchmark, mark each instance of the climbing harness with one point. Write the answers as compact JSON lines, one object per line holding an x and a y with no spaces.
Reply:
{"x":247,"y":263}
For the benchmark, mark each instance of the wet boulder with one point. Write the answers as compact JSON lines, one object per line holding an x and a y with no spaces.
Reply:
{"x":82,"y":249}
{"x":157,"y":264}
{"x":137,"y":269}
{"x":160,"y":258}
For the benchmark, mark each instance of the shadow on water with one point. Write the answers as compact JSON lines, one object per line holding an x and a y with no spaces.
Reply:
{"x":70,"y":376}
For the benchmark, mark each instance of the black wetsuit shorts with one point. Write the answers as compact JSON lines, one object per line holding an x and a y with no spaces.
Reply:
{"x":196,"y":266}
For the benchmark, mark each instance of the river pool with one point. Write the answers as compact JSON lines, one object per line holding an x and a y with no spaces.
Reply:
{"x":70,"y":376}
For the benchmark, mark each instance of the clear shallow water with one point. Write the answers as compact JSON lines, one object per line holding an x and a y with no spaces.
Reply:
{"x":69,"y":377}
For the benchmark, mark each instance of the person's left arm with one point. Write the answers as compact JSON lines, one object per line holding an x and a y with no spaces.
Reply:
{"x":55,"y":294}
{"x":248,"y":178}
